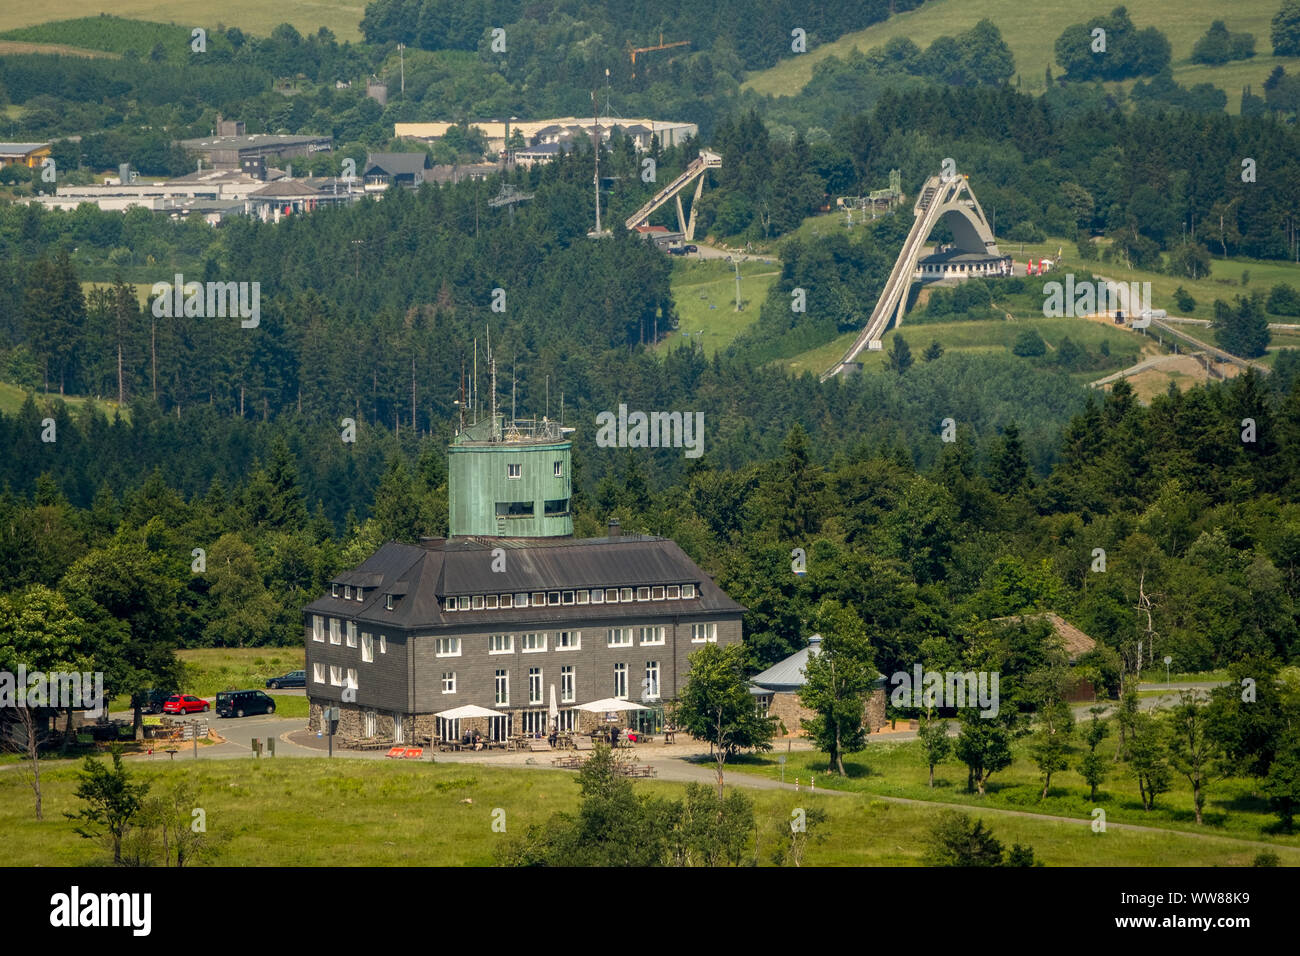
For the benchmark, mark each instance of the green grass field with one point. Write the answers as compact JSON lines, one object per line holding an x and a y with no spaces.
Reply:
{"x":210,"y":669}
{"x":1031,"y":29}
{"x":993,"y":335}
{"x":316,"y":812}
{"x":704,"y":291}
{"x":251,"y":16}
{"x":1233,"y":807}
{"x":13,"y":396}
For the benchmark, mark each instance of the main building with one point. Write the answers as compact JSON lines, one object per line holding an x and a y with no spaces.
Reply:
{"x":510,"y":610}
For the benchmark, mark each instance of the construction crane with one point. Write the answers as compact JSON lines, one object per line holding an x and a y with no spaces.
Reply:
{"x":650,"y":49}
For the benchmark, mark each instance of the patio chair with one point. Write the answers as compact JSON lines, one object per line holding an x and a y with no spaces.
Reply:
{"x":583,"y":743}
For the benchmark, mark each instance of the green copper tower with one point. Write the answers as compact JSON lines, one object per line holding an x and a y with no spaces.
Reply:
{"x":510,"y":480}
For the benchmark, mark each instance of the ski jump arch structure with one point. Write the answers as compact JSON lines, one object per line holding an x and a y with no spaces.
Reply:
{"x":951,"y":199}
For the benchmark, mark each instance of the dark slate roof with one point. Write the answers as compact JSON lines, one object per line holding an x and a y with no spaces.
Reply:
{"x":397,"y":164}
{"x":423,"y":575}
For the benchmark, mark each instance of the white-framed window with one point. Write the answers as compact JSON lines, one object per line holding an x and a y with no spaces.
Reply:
{"x":650,"y":686}
{"x":620,"y":681}
{"x":553,"y":597}
{"x":611,"y":595}
{"x":388,"y":602}
{"x":673,"y":592}
{"x":490,"y":602}
{"x":501,"y":643}
{"x":643,"y":594}
{"x":383,"y":644}
{"x":597,"y":596}
{"x":347,"y":592}
{"x":534,"y":685}
{"x":657,"y":593}
{"x":449,"y":682}
{"x":334,"y":590}
{"x":514,"y":471}
{"x":503,"y":688}
{"x":625,"y":594}
{"x":568,"y":692}
{"x":521,"y":599}
{"x":367,"y":647}
{"x":566,"y":597}
{"x":360,"y":593}
{"x":539,"y":599}
{"x":336,"y":675}
{"x":369,"y":723}
{"x":559,"y":469}
{"x":452,"y":604}
{"x":532,"y":643}
{"x":352,"y":633}
{"x":583,"y":596}
{"x":619,"y":637}
{"x":568,"y":640}
{"x":688,"y":591}
{"x":317,"y":628}
{"x":536,"y":722}
{"x":569,"y":719}
{"x":336,"y":632}
{"x":652,"y":635}
{"x":704,"y":633}
{"x":478,"y":602}
{"x":466,"y":603}
{"x":351,"y":679}
{"x":444,"y":647}
{"x":318,"y":673}
{"x":507,"y":600}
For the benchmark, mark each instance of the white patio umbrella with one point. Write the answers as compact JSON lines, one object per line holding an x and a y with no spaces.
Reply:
{"x":468,"y":710}
{"x":610,"y":704}
{"x":553,"y":712}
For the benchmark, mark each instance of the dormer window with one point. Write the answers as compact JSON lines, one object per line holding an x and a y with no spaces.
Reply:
{"x":451,"y":604}
{"x":688,"y":590}
{"x":360,"y":592}
{"x":334,"y":590}
{"x":347,"y":592}
{"x":388,"y":602}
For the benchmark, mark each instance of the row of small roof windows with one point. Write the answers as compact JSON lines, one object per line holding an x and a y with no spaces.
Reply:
{"x":348,"y":591}
{"x":491,"y":602}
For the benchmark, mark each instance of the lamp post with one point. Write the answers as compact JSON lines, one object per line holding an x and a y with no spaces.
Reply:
{"x":1168,"y":660}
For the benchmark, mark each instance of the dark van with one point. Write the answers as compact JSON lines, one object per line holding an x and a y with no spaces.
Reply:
{"x":239,"y":703}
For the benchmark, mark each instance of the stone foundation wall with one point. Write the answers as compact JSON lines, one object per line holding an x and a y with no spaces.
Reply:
{"x":787,"y":708}
{"x":351,"y":724}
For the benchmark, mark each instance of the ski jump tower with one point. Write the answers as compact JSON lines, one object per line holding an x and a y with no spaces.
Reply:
{"x":951,"y":199}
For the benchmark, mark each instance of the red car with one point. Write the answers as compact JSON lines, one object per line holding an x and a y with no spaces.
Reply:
{"x":185,"y":704}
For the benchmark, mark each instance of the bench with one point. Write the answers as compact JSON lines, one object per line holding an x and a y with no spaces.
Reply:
{"x":539,"y":746}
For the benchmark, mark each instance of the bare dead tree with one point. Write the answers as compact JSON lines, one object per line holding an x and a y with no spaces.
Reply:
{"x":28,"y":746}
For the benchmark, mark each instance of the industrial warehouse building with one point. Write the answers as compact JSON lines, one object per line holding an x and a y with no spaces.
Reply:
{"x":510,"y":609}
